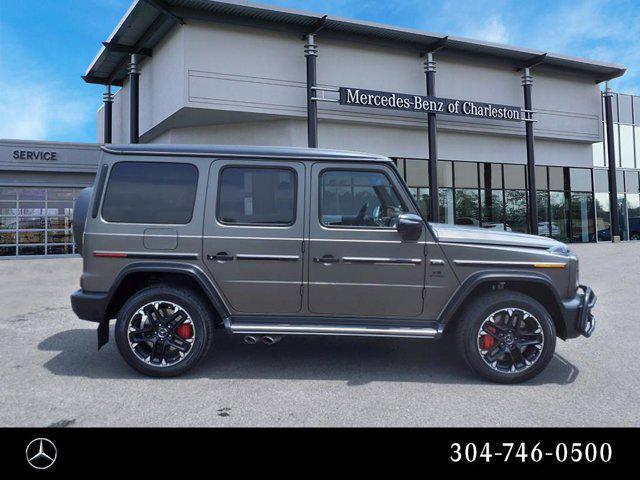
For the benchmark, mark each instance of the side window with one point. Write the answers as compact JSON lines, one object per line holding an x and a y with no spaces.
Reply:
{"x":150,"y":192}
{"x":257,"y":196}
{"x":358,"y":199}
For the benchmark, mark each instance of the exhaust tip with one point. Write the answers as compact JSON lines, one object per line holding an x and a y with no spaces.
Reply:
{"x":269,"y":340}
{"x":250,"y":340}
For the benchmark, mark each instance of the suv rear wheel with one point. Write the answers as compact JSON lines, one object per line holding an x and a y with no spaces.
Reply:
{"x":507,"y":337}
{"x":164,"y":331}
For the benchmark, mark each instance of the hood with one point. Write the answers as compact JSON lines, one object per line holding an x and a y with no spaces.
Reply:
{"x":445,"y":232}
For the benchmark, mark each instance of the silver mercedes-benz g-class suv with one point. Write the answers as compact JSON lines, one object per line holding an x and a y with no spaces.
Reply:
{"x":182,"y":243}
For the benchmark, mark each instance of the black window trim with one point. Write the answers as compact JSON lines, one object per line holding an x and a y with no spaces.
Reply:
{"x":106,"y":189}
{"x":258,"y":167}
{"x":357,"y":227}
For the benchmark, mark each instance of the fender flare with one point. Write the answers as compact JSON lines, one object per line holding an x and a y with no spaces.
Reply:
{"x":192,"y":271}
{"x":483,"y":277}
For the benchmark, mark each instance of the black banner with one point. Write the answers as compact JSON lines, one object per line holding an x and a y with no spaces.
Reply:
{"x":359,"y":97}
{"x":124,"y":451}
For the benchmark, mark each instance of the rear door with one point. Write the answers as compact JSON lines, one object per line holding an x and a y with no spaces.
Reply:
{"x":253,"y":234}
{"x":359,"y":263}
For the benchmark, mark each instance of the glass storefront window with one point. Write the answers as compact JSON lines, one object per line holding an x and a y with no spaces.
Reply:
{"x":36,"y":221}
{"x":7,"y":237}
{"x":467,"y":207}
{"x":558,"y":216}
{"x":619,"y":180}
{"x":8,"y":208}
{"x":445,"y":196}
{"x":492,"y":209}
{"x":622,"y":216}
{"x":542,"y":201}
{"x":556,"y":178}
{"x":8,"y":193}
{"x":59,"y":249}
{"x":491,"y":175}
{"x":598,"y":154}
{"x":541,"y":178}
{"x":601,"y":180}
{"x":417,"y":172}
{"x":626,"y":147}
{"x":514,"y":177}
{"x":582,"y":226}
{"x":633,"y":209}
{"x":31,"y":194}
{"x":603,"y":216}
{"x":580,"y":179}
{"x":31,"y":250}
{"x":422,"y":197}
{"x":572,"y":203}
{"x":516,"y":210}
{"x":631,"y":182}
{"x":8,"y":223}
{"x":466,"y":174}
{"x":31,"y":223}
{"x":31,"y":236}
{"x":445,"y":174}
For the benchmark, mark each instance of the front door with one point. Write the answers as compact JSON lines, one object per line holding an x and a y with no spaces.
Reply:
{"x":359,"y":263}
{"x":253,"y":233}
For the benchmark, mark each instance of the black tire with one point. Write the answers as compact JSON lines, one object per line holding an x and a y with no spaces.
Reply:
{"x":470,"y":344}
{"x":201,"y":319}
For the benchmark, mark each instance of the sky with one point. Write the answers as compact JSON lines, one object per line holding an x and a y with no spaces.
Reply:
{"x":46,"y":45}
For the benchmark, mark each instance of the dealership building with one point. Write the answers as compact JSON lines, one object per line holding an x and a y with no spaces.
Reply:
{"x":471,"y":125}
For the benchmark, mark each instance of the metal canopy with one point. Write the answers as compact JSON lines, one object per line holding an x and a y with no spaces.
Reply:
{"x":148,"y":21}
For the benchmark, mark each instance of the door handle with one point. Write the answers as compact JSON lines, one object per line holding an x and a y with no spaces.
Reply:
{"x":220,"y":257}
{"x":326,"y":259}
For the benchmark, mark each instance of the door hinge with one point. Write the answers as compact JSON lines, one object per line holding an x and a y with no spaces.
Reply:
{"x":301,"y":290}
{"x":424,"y":293}
{"x":426,"y":250}
{"x":302,"y":246}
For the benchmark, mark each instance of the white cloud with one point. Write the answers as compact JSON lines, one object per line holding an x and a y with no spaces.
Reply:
{"x":493,"y":29}
{"x":41,"y":111}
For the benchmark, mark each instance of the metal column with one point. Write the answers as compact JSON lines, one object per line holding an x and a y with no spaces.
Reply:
{"x":134,"y":96}
{"x":434,"y":202}
{"x":527,"y":85}
{"x":108,"y":115}
{"x":311,"y":52}
{"x":611,"y":156}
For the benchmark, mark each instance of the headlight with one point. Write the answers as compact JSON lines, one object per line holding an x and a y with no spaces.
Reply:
{"x":560,"y":249}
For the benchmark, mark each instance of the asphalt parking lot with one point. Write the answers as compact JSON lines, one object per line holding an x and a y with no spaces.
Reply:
{"x":51,"y":373}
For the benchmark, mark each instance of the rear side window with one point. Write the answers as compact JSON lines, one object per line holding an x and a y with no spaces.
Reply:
{"x":150,"y":192}
{"x":257,"y":196}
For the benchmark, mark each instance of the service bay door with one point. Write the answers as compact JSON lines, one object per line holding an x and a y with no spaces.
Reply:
{"x":253,"y":233}
{"x":359,"y":263}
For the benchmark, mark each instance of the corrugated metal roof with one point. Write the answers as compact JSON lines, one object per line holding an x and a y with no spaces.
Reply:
{"x":144,"y":25}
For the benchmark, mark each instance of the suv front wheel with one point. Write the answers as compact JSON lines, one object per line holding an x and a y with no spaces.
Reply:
{"x":164,"y":331}
{"x":507,"y":337}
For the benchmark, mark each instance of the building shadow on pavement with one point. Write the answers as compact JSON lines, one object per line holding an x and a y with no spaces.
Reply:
{"x":355,"y":360}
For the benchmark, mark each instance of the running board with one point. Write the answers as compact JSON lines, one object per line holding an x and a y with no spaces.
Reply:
{"x":247,"y":328}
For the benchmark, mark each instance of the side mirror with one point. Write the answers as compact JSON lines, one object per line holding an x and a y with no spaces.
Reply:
{"x":410,"y":226}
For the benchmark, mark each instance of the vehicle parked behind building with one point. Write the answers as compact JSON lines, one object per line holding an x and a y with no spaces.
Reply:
{"x":181,"y":243}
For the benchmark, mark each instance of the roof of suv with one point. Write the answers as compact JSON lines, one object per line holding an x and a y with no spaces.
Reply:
{"x":241,"y":151}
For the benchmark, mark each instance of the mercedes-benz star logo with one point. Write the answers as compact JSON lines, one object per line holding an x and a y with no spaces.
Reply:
{"x":41,"y":453}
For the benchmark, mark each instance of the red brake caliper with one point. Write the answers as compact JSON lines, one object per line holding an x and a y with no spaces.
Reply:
{"x":487,"y":340}
{"x":185,"y":331}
